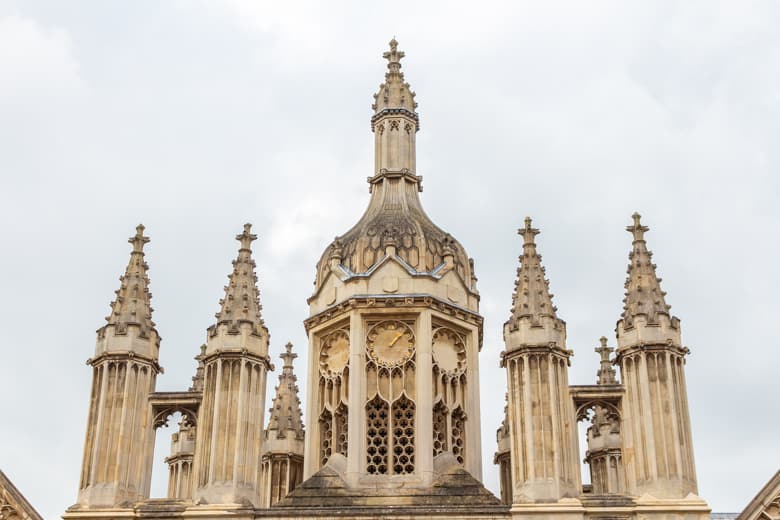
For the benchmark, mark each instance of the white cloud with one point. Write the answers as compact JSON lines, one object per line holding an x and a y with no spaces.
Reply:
{"x":35,"y":60}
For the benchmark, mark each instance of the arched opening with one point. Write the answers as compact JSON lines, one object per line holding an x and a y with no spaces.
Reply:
{"x":598,"y":423}
{"x":174,"y":451}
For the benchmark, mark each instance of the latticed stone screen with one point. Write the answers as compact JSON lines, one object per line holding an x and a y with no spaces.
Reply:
{"x":403,"y":436}
{"x":459,"y":435}
{"x":377,"y":417}
{"x":326,"y":437}
{"x":439,"y":429}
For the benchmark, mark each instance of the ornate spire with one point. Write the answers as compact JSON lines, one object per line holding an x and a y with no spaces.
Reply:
{"x":241,"y":303}
{"x":394,"y":94}
{"x":132,"y":305}
{"x":531,"y":300}
{"x":285,"y":414}
{"x":644,"y":296}
{"x":606,"y":374}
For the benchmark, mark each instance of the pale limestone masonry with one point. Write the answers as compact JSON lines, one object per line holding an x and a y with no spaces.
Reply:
{"x":393,"y":403}
{"x":230,"y":429}
{"x":541,"y":418}
{"x":120,"y":438}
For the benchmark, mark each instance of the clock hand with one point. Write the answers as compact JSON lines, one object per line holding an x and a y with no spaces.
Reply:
{"x":396,"y":338}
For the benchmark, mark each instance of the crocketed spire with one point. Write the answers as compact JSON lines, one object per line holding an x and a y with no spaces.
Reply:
{"x":241,"y":303}
{"x":285,"y":414}
{"x":606,"y":374}
{"x":643,"y":287}
{"x":394,"y":94}
{"x":132,"y":306}
{"x":531,"y":300}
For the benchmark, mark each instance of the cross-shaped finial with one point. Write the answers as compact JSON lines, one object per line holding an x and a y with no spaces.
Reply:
{"x":393,"y":56}
{"x":246,"y":238}
{"x":637,"y":229}
{"x":604,"y":350}
{"x":606,"y":374}
{"x":528,"y":232}
{"x":288,"y":355}
{"x":139,"y":240}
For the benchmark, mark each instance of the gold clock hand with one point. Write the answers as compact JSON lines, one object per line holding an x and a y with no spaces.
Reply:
{"x":396,"y":338}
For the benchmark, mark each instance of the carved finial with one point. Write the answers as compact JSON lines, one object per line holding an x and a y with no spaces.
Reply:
{"x":288,"y":355}
{"x":606,"y":374}
{"x":246,"y":238}
{"x":528,"y":233}
{"x":394,"y":56}
{"x":138,"y":240}
{"x":638,"y":230}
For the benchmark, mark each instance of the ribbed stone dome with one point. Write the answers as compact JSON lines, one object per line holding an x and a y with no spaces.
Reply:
{"x":395,"y":217}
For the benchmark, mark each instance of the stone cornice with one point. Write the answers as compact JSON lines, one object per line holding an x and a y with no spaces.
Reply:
{"x":650,"y":347}
{"x":388,"y":112}
{"x":544,"y":348}
{"x":235,"y":353}
{"x":127,"y":355}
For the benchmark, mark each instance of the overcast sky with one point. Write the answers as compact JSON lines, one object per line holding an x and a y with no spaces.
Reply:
{"x":195,"y":117}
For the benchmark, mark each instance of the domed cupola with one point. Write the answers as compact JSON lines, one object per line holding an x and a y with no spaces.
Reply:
{"x":395,"y":224}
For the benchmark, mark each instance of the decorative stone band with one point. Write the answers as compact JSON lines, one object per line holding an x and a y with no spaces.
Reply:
{"x":233,"y":327}
{"x":277,"y":455}
{"x":179,"y":457}
{"x":126,"y":356}
{"x":547,"y":348}
{"x":630,"y":323}
{"x":650,"y":347}
{"x":394,"y":174}
{"x":120,"y":329}
{"x":396,"y":112}
{"x":240,"y":354}
{"x":399,"y":301}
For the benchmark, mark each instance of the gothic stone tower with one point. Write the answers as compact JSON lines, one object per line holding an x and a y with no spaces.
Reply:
{"x":541,"y":416}
{"x":116,"y":468}
{"x":230,"y":420}
{"x":658,"y":447}
{"x":394,"y":333}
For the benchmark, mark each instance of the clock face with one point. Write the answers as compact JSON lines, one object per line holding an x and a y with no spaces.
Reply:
{"x":335,"y":353}
{"x":448,"y":350}
{"x":390,"y":343}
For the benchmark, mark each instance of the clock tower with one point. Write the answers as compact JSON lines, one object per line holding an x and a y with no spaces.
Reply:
{"x":394,"y":329}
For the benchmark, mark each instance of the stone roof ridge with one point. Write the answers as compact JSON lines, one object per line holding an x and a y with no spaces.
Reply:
{"x":605,"y":374}
{"x":241,"y":303}
{"x":644,"y":296}
{"x":14,"y":505}
{"x":132,"y":305}
{"x":531,"y":299}
{"x":394,"y":94}
{"x":285,"y":413}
